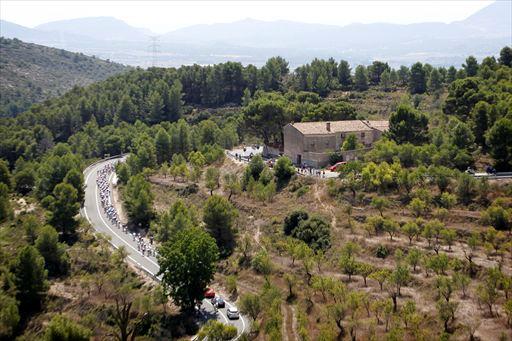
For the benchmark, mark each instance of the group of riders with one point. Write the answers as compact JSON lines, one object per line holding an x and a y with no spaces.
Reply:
{"x":103,"y":183}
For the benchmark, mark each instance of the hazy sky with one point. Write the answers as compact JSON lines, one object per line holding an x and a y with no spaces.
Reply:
{"x":163,"y":16}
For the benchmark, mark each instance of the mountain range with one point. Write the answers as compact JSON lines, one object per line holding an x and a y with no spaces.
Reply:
{"x":253,"y":41}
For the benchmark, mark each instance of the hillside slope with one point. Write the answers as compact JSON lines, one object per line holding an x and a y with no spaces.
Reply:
{"x":31,"y":73}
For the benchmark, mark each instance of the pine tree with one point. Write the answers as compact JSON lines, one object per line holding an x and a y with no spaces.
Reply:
{"x":175,"y":101}
{"x":361,"y":78}
{"x":417,"y":82}
{"x":163,"y":146}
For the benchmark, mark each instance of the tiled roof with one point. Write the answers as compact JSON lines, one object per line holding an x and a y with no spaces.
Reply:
{"x":319,"y":128}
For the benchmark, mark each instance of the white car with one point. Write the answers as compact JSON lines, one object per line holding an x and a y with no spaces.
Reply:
{"x":233,"y":313}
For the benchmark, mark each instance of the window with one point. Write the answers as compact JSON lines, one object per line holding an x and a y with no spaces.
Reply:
{"x":362,"y":135}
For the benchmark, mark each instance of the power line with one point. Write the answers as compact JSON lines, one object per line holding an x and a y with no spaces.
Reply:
{"x":154,"y":50}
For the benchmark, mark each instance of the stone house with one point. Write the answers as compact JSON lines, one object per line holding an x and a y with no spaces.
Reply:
{"x":311,"y":142}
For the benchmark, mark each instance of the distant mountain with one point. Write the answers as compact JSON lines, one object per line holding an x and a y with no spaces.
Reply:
{"x":99,"y":28}
{"x":493,"y":21}
{"x":12,"y":30}
{"x":31,"y":73}
{"x":253,"y":41}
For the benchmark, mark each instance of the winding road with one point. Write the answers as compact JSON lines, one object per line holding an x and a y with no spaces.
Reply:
{"x":93,"y":212}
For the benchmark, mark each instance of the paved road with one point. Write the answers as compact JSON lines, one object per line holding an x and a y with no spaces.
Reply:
{"x":93,"y":212}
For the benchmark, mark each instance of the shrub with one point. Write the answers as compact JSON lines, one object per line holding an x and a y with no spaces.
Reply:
{"x":381,"y":251}
{"x":497,"y":216}
{"x":62,"y":328}
{"x":293,"y":220}
{"x":301,"y":191}
{"x":315,"y":232}
{"x":284,"y":170}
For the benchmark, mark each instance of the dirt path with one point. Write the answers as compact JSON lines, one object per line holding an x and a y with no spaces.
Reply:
{"x":294,"y":322}
{"x":326,"y":206}
{"x":286,"y":317}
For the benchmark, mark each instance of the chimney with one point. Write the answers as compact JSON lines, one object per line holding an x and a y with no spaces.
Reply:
{"x":328,"y":126}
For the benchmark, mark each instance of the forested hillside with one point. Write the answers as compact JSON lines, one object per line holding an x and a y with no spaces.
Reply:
{"x":403,"y":244}
{"x":31,"y":73}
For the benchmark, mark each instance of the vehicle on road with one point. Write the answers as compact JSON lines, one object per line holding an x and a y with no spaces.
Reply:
{"x":334,"y":167}
{"x":218,"y":302}
{"x":490,"y":170}
{"x":233,"y":313}
{"x":209,"y":293}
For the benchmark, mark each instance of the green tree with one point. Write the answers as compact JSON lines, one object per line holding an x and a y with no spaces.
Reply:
{"x":385,"y":80}
{"x":217,"y":331}
{"x":466,"y":188}
{"x":262,"y":264}
{"x":434,"y":81}
{"x":163,"y":146}
{"x":471,"y":66}
{"x":315,"y":232}
{"x":179,"y":217}
{"x":266,"y":115}
{"x":54,"y":253}
{"x":463,"y":95}
{"x":76,"y":179}
{"x":462,"y":136}
{"x":480,"y":117}
{"x":123,"y":173}
{"x":212,"y":179}
{"x":187,"y":266}
{"x":30,"y":278}
{"x":138,"y":200}
{"x":451,"y":74}
{"x":292,"y":221}
{"x":5,"y":173}
{"x":399,"y":278}
{"x":365,"y":270}
{"x":61,"y":328}
{"x":380,"y":203}
{"x":499,"y":140}
{"x":506,"y":56}
{"x":351,"y":143}
{"x":498,"y":217}
{"x":446,"y":311}
{"x":218,"y":217}
{"x":417,"y":206}
{"x":25,"y":180}
{"x":381,"y":276}
{"x":417,"y":81}
{"x":5,"y":206}
{"x":376,"y":70}
{"x":63,"y":206}
{"x":174,"y":107}
{"x":411,"y":230}
{"x":156,"y":107}
{"x":408,"y":125}
{"x":391,"y":227}
{"x":9,"y":315}
{"x":251,"y":305}
{"x":413,"y":258}
{"x":360,"y":78}
{"x":283,"y":170}
{"x":403,"y":75}
{"x":232,"y":184}
{"x":344,"y":75}
{"x":127,"y":110}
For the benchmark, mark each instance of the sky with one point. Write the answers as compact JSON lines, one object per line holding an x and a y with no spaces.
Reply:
{"x":165,"y":16}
